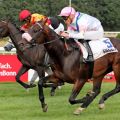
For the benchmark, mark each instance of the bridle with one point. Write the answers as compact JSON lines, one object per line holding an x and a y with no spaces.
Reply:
{"x":42,"y":30}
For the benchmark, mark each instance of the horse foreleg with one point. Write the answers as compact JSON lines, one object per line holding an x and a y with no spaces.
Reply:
{"x":40,"y":89}
{"x":90,"y":96}
{"x":107,"y":95}
{"x":75,"y":91}
{"x":22,"y":70}
{"x":53,"y":82}
{"x":41,"y":96}
{"x":52,"y":92}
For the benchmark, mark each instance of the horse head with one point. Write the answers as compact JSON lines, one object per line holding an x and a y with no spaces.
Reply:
{"x":4,"y":30}
{"x":41,"y":33}
{"x":7,"y":27}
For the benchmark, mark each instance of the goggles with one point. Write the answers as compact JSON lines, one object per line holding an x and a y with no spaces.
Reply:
{"x":27,"y":19}
{"x":65,"y":18}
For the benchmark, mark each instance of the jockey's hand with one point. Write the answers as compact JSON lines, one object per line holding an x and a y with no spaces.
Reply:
{"x":64,"y":34}
{"x":22,"y":29}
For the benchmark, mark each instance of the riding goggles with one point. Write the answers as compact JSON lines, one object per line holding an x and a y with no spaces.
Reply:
{"x":65,"y":18}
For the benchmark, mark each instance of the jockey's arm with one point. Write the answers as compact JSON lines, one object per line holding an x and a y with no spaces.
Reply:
{"x":76,"y":35}
{"x":59,"y":29}
{"x":24,"y":27}
{"x":71,"y":33}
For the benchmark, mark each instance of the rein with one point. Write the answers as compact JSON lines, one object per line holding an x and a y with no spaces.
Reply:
{"x":41,"y":30}
{"x":48,"y":42}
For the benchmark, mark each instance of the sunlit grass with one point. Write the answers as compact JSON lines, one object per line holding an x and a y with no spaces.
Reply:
{"x":18,"y":104}
{"x":3,"y":41}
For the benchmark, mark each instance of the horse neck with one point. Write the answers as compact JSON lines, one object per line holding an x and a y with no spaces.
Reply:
{"x":14,"y":34}
{"x":55,"y":47}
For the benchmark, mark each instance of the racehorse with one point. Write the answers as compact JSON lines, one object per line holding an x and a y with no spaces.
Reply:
{"x":31,"y":57}
{"x":71,"y":69}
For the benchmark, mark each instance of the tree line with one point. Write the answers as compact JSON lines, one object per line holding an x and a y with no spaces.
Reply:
{"x":105,"y":10}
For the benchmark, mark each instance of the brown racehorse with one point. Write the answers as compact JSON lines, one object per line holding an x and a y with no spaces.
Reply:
{"x":68,"y":66}
{"x":30,"y":57}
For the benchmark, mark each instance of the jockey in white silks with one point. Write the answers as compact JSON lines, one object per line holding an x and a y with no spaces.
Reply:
{"x":81,"y":26}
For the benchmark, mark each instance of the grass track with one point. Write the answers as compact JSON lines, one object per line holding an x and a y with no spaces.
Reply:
{"x":17,"y":104}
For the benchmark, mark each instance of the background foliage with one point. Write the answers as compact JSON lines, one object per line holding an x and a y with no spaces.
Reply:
{"x":105,"y":10}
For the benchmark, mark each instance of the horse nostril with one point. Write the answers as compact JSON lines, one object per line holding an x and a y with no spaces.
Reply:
{"x":1,"y":30}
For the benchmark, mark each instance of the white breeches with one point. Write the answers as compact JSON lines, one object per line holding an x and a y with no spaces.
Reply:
{"x":94,"y":35}
{"x":59,"y":29}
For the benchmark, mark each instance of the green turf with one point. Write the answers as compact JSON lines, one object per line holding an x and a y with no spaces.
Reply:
{"x":18,"y":104}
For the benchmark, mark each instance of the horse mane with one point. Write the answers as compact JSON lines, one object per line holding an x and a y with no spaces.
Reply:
{"x":15,"y":24}
{"x":17,"y":27}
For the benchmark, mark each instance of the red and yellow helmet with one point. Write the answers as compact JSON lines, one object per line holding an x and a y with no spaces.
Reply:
{"x":24,"y":14}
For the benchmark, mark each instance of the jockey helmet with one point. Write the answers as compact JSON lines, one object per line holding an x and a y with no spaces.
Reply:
{"x":24,"y":14}
{"x":67,"y":11}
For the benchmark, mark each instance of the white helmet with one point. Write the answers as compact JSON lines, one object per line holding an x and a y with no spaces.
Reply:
{"x":67,"y":11}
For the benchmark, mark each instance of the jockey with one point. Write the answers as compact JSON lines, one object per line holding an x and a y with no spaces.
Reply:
{"x":31,"y":19}
{"x":81,"y":26}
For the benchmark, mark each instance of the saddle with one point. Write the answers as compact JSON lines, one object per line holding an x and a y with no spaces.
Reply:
{"x":71,"y":45}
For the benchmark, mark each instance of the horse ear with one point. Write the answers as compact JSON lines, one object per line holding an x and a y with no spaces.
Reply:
{"x":5,"y":19}
{"x":45,"y":20}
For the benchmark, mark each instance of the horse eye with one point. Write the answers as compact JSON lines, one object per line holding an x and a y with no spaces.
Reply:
{"x":35,"y":30}
{"x":1,"y":30}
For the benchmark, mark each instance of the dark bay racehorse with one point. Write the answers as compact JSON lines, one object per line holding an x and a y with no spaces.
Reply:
{"x":30,"y":57}
{"x":69,"y":68}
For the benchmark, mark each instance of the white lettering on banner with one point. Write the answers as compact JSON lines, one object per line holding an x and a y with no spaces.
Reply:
{"x":9,"y":67}
{"x":5,"y":66}
{"x":5,"y":73}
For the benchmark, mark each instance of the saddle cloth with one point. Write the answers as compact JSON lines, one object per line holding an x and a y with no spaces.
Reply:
{"x":99,"y":48}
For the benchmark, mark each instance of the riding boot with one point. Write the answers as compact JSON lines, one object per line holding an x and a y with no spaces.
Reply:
{"x":90,"y":54}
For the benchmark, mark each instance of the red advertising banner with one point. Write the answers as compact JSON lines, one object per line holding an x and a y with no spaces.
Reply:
{"x":109,"y":77}
{"x":9,"y":66}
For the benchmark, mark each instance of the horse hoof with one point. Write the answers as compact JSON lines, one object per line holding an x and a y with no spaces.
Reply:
{"x":27,"y":90}
{"x":52,"y":93}
{"x":78,"y":111}
{"x":45,"y":108}
{"x":59,"y":87}
{"x":32,"y":85}
{"x":101,"y":106}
